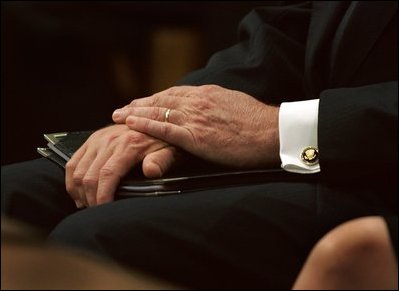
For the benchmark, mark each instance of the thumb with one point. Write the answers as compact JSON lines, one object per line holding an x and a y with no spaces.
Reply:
{"x":156,"y":164}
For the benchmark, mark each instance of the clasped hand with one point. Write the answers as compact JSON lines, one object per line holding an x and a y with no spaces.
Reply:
{"x":95,"y":170}
{"x":220,"y":125}
{"x":217,"y":124}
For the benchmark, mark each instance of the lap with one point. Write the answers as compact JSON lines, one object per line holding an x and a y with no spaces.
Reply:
{"x":256,"y":236}
{"x":226,"y":237}
{"x":34,"y":192}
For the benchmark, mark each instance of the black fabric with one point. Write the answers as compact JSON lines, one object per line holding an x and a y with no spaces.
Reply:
{"x":358,"y":131}
{"x":256,"y":236}
{"x":332,"y":51}
{"x":268,"y":62}
{"x":250,"y":237}
{"x":392,"y":223}
{"x":35,"y":193}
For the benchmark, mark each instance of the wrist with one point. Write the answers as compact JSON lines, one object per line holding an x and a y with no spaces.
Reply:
{"x":274,"y":137}
{"x":270,"y":137}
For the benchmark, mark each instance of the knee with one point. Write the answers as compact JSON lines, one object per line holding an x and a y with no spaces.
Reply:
{"x":79,"y":230}
{"x":8,"y":184}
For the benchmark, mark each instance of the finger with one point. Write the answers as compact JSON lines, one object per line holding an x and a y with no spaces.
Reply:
{"x":80,"y":172}
{"x":166,"y":131}
{"x":168,"y":98}
{"x":157,"y":113}
{"x":110,"y":175}
{"x":156,"y":164}
{"x":69,"y":170}
{"x":161,"y":99}
{"x":90,"y":180}
{"x":120,"y":114}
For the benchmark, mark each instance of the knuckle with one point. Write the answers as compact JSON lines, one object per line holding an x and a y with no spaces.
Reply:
{"x":156,"y":114}
{"x":132,"y":137}
{"x":70,"y":165}
{"x":89,"y":181}
{"x":209,"y":88}
{"x":178,"y":91}
{"x":77,"y":178}
{"x":96,"y":134}
{"x":110,"y":138}
{"x":155,"y":99}
{"x":106,"y":172}
{"x":173,"y":90}
{"x":146,"y":124}
{"x":166,"y":130}
{"x":202,"y":104}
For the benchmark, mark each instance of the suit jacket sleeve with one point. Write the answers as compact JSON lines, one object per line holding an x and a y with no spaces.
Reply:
{"x":358,"y":131}
{"x":358,"y":109}
{"x":268,"y":60}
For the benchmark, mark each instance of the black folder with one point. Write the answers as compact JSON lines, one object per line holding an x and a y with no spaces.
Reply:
{"x":194,"y":174}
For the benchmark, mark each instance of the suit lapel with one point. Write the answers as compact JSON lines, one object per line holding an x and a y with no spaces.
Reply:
{"x":325,"y":20}
{"x":360,"y":28}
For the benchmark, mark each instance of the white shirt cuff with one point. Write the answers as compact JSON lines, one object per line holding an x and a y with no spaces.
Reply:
{"x":298,"y":131}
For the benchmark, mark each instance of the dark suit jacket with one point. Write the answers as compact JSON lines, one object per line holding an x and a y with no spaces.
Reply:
{"x":344,"y":53}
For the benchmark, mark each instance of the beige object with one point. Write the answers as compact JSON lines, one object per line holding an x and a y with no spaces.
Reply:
{"x":175,"y":51}
{"x":26,"y":264}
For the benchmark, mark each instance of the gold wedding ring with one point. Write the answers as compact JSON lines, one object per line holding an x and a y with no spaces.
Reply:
{"x":167,"y":113}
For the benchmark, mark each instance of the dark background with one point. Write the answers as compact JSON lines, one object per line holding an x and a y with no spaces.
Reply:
{"x":68,"y":65}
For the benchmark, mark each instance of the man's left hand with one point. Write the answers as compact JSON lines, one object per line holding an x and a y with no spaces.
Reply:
{"x":217,"y":124}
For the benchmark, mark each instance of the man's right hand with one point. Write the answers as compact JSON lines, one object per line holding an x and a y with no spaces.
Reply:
{"x":95,"y":170}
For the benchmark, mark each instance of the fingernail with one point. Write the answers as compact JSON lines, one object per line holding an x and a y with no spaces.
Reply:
{"x":117,"y":113}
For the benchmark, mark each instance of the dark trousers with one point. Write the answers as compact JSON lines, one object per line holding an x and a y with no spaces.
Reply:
{"x":247,"y":237}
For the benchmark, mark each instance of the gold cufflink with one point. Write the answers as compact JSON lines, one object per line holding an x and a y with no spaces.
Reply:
{"x":310,"y":156}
